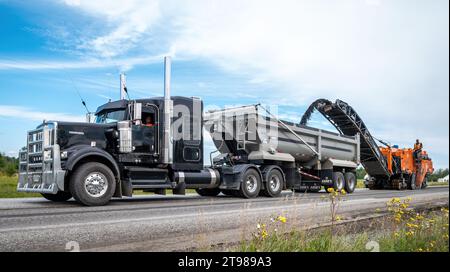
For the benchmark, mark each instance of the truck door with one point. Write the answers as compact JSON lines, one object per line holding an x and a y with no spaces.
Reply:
{"x":145,"y":135}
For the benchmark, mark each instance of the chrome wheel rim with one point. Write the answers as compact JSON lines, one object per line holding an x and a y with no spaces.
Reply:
{"x":274,"y":183}
{"x":96,"y":184}
{"x":251,"y":183}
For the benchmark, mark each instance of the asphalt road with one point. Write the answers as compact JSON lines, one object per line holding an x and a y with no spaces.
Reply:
{"x":168,"y":223}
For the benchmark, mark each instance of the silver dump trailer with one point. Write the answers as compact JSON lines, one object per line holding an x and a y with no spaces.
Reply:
{"x":285,"y":155}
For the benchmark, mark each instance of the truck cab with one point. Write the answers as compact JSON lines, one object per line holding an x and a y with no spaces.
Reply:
{"x":123,"y":150}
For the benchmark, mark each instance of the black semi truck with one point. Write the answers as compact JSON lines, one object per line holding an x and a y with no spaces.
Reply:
{"x":157,"y":144}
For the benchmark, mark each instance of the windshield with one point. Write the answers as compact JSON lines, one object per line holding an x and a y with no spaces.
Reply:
{"x":110,"y":117}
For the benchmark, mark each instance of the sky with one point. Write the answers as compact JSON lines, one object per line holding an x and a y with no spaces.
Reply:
{"x":388,"y":59}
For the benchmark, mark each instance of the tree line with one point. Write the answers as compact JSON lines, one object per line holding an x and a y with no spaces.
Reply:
{"x":8,"y":165}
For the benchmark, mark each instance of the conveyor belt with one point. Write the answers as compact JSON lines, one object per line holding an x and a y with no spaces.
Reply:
{"x":348,"y":122}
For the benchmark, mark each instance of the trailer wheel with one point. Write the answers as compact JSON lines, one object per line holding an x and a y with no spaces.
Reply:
{"x":350,"y":182}
{"x":208,"y":191}
{"x":274,"y":183}
{"x":58,"y":197}
{"x":251,"y":184}
{"x":92,"y":184}
{"x":338,"y":181}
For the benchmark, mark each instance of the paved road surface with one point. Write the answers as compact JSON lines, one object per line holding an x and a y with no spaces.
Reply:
{"x":166,"y":223}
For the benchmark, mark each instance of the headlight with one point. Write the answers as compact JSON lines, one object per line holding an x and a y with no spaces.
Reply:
{"x":64,"y":155}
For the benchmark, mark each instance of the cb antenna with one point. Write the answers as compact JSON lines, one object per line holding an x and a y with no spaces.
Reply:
{"x":79,"y":95}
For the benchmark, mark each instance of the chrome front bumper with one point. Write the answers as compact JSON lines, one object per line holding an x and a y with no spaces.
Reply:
{"x":40,"y":162}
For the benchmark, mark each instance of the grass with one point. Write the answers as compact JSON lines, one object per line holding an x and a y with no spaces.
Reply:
{"x":403,"y":230}
{"x":8,"y":188}
{"x":435,"y":183}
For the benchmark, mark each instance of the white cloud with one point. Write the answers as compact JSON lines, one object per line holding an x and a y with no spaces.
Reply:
{"x":123,"y":64}
{"x":129,"y":19}
{"x":388,"y":59}
{"x":30,"y":114}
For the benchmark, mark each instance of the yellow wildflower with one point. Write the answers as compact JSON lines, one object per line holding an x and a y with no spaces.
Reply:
{"x":282,"y":219}
{"x":264,"y":234}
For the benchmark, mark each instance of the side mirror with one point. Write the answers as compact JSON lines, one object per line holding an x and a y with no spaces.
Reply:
{"x":137,"y":113}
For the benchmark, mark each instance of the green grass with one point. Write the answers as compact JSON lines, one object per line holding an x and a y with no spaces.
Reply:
{"x":431,"y":234}
{"x":8,"y":188}
{"x":435,"y":183}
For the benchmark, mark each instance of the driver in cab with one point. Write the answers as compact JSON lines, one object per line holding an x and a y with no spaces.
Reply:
{"x":149,"y":121}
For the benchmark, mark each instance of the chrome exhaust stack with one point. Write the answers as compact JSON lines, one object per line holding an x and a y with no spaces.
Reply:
{"x":123,"y":84}
{"x":168,"y":108}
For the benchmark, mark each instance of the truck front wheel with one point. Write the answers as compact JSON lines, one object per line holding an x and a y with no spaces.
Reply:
{"x":92,"y":184}
{"x":58,"y":197}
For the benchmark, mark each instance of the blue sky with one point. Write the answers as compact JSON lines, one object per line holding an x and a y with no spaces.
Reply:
{"x":389,"y":59}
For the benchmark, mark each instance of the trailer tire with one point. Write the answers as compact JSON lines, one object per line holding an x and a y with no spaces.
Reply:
{"x":251,"y":184}
{"x":60,"y":196}
{"x":208,"y":191}
{"x":274,"y":183}
{"x":350,"y":182}
{"x":338,"y":181}
{"x":92,"y":184}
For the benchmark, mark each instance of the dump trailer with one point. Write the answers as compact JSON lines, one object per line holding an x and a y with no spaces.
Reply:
{"x":388,"y":167}
{"x":285,"y":155}
{"x":156,"y":144}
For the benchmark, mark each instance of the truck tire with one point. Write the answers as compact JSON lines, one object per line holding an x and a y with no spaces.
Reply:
{"x":338,"y":181}
{"x":208,"y":192}
{"x":92,"y":184}
{"x":412,"y":182}
{"x":274,"y":183}
{"x":350,"y":182}
{"x":425,"y":183}
{"x":58,"y":197}
{"x":251,"y":184}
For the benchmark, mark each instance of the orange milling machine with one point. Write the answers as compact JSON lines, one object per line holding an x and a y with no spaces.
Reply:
{"x":409,"y":167}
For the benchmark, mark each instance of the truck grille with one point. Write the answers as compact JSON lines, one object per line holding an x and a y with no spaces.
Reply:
{"x":36,"y":159}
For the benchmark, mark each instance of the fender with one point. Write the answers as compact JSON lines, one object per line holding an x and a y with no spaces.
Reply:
{"x":265,"y":171}
{"x":86,"y":151}
{"x":232,"y":176}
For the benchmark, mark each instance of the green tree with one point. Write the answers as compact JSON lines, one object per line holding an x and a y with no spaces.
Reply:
{"x":10,"y":170}
{"x":360,"y":172}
